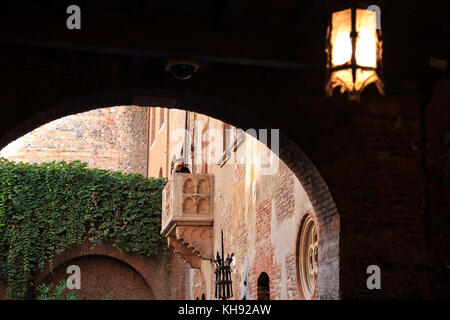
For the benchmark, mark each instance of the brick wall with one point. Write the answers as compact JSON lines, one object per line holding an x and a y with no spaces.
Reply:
{"x":107,"y":271}
{"x":104,"y":277}
{"x":3,"y":290}
{"x":438,"y":187}
{"x":198,"y":284}
{"x":259,"y":214}
{"x":109,"y":138}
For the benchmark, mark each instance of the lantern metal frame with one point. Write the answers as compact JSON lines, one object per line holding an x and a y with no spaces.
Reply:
{"x":223,"y":283}
{"x":352,"y":64}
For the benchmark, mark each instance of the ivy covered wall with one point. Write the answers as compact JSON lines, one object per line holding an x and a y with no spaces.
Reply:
{"x":47,"y":208}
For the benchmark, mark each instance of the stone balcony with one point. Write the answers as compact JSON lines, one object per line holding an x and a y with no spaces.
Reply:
{"x":187,"y":216}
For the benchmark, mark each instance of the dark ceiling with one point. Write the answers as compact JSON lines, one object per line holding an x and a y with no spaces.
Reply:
{"x":266,"y":35}
{"x":283,"y":30}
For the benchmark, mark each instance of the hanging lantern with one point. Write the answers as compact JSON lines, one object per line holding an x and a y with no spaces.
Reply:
{"x":223,"y":284}
{"x":354,"y":52}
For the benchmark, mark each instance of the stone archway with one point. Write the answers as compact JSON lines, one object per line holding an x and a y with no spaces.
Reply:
{"x":309,"y":176}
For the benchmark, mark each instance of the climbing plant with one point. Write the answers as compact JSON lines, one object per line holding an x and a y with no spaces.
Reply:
{"x":48,"y":292}
{"x":47,"y":208}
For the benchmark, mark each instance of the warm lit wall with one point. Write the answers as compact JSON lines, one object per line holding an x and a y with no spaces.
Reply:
{"x":110,"y":138}
{"x":164,"y":143}
{"x":259,"y":214}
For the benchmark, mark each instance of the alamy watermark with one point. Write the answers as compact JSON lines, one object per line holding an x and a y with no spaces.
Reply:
{"x":74,"y":20}
{"x":377,"y":10}
{"x":215,"y":146}
{"x":74,"y":280}
{"x":374,"y":281}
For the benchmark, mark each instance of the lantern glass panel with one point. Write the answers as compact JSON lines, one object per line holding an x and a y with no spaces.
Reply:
{"x":366,"y":42}
{"x":340,"y":37}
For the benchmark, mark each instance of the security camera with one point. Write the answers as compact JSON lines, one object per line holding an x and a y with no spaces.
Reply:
{"x":182,"y":69}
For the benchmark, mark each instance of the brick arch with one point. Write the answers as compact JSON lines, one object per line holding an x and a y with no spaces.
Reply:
{"x":103,"y":276}
{"x":298,"y":162}
{"x":263,"y":264}
{"x":145,"y":267}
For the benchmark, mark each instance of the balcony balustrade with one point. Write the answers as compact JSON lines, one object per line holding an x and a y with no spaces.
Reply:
{"x":187,"y":216}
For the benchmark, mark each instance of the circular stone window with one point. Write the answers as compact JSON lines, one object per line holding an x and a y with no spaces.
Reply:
{"x":308,"y":257}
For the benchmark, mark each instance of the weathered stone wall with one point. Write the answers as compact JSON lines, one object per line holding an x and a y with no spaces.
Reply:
{"x":260,"y":216}
{"x":259,"y":213}
{"x":109,"y":138}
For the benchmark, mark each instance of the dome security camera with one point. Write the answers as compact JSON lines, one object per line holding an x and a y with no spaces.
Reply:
{"x":182,"y":69}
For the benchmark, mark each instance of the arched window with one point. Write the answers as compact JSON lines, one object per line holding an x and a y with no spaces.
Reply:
{"x":203,"y":296}
{"x":263,"y":287}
